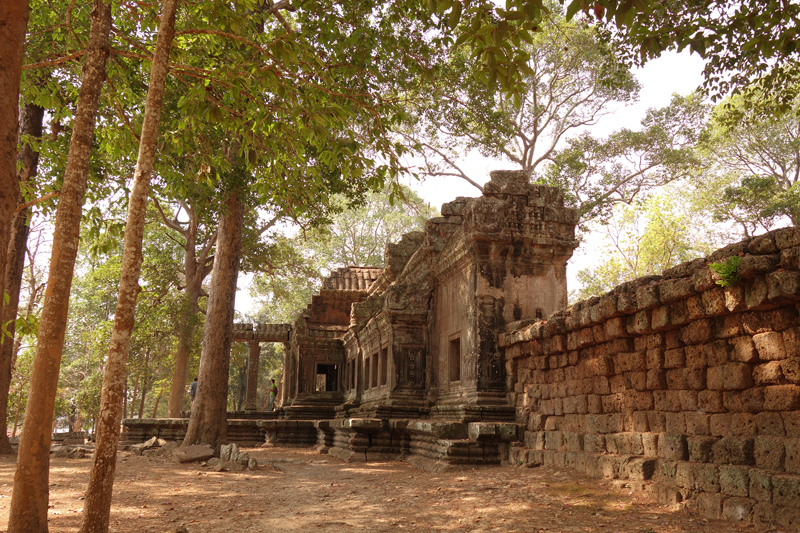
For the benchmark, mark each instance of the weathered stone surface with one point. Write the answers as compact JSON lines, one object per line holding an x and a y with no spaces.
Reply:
{"x":193,"y":453}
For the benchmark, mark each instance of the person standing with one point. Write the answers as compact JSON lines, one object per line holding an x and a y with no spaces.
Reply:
{"x":193,"y":390}
{"x":273,"y":392}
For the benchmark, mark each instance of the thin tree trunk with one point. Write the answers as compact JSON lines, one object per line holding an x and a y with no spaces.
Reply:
{"x":13,"y":23}
{"x":97,"y":508}
{"x":16,"y":416}
{"x":158,"y":400}
{"x":30,"y":124}
{"x":208,"y":421}
{"x":144,"y":383}
{"x":30,"y":494}
{"x":180,"y":375}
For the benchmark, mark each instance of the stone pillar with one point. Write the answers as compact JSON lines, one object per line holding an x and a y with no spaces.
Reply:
{"x":252,"y":376}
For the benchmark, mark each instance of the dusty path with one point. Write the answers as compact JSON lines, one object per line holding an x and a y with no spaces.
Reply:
{"x":298,"y":490}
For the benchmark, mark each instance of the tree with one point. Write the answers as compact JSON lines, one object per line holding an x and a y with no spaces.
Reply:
{"x":596,"y":174}
{"x":97,"y":506}
{"x":572,"y":78}
{"x":646,"y":238}
{"x":13,"y":23}
{"x":354,"y":237}
{"x":31,"y":128}
{"x":30,"y":494}
{"x":753,"y":154}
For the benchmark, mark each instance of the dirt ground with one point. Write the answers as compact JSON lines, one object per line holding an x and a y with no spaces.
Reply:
{"x":299,"y":490}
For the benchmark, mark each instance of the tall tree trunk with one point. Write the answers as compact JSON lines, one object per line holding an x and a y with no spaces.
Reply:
{"x":208,"y":421}
{"x":177,"y":390}
{"x":144,"y":383}
{"x":13,"y":23}
{"x":97,"y":508}
{"x":29,"y":498}
{"x":158,"y":400}
{"x":30,"y":124}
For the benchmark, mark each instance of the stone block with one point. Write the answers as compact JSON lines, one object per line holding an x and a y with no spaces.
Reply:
{"x":640,"y":423}
{"x":654,"y":358}
{"x":594,"y":443}
{"x":737,"y":509}
{"x":639,"y":323}
{"x":783,"y":286}
{"x":728,"y":326}
{"x":734,"y":451}
{"x":676,"y":422}
{"x":638,"y":468}
{"x":695,"y":308}
{"x":673,"y":447}
{"x":767,"y":321}
{"x":748,"y":400}
{"x":534,"y":440}
{"x":668,"y":495}
{"x":600,"y":385}
{"x":196,"y":452}
{"x":744,"y":351}
{"x":657,"y":421}
{"x":656,"y":379}
{"x":697,"y":332}
{"x":763,"y":244}
{"x":695,"y":378}
{"x":770,"y":423}
{"x":666,"y":472}
{"x":667,"y":400}
{"x":769,"y":373}
{"x":670,"y":290}
{"x":735,"y":298}
{"x":787,"y":238}
{"x":650,"y":444}
{"x":675,"y":379}
{"x":714,"y":378}
{"x":791,"y":341}
{"x":734,"y":480}
{"x":684,"y":475}
{"x":786,"y":490}
{"x":790,"y":368}
{"x":792,"y":460}
{"x":743,"y":425}
{"x":714,"y":301}
{"x":791,"y":422}
{"x":710,"y":401}
{"x":695,"y":356}
{"x":697,"y":423}
{"x":660,"y":318}
{"x":701,"y":449}
{"x":717,"y":353}
{"x":790,"y":258}
{"x":735,"y":376}
{"x":782,"y":397}
{"x":765,"y":514}
{"x":752,"y":266}
{"x":615,"y":327}
{"x":706,"y":478}
{"x":609,"y":466}
{"x":757,"y":294}
{"x":636,"y":380}
{"x":674,"y":358}
{"x":770,"y":346}
{"x":720,"y":424}
{"x":647,"y":296}
{"x":760,"y":487}
{"x":688,"y":400}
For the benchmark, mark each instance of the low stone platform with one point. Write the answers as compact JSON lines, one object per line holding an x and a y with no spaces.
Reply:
{"x":289,"y":433}
{"x":243,"y":432}
{"x":432,"y":445}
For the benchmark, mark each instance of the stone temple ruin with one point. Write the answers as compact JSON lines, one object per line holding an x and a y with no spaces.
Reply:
{"x":462,"y":351}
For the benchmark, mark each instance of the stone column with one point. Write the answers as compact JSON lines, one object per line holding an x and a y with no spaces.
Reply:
{"x":252,"y":376}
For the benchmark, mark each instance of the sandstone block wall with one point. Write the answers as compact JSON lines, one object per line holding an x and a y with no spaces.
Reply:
{"x":674,"y":382}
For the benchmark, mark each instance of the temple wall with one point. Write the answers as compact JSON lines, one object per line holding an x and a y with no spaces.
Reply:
{"x":675,"y":384}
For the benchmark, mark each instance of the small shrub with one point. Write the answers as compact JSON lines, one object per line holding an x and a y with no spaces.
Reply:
{"x":727,"y":271}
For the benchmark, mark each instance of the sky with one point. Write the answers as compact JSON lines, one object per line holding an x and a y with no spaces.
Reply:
{"x":660,"y":79}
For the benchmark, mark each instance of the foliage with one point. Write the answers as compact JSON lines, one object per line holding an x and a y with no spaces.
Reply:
{"x":727,"y":271}
{"x":354,"y":237}
{"x":596,"y":174}
{"x":646,"y":238}
{"x":572,"y":79}
{"x":741,"y":41}
{"x":751,"y":152}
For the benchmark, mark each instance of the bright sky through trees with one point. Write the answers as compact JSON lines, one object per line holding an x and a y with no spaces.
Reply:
{"x":660,"y":79}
